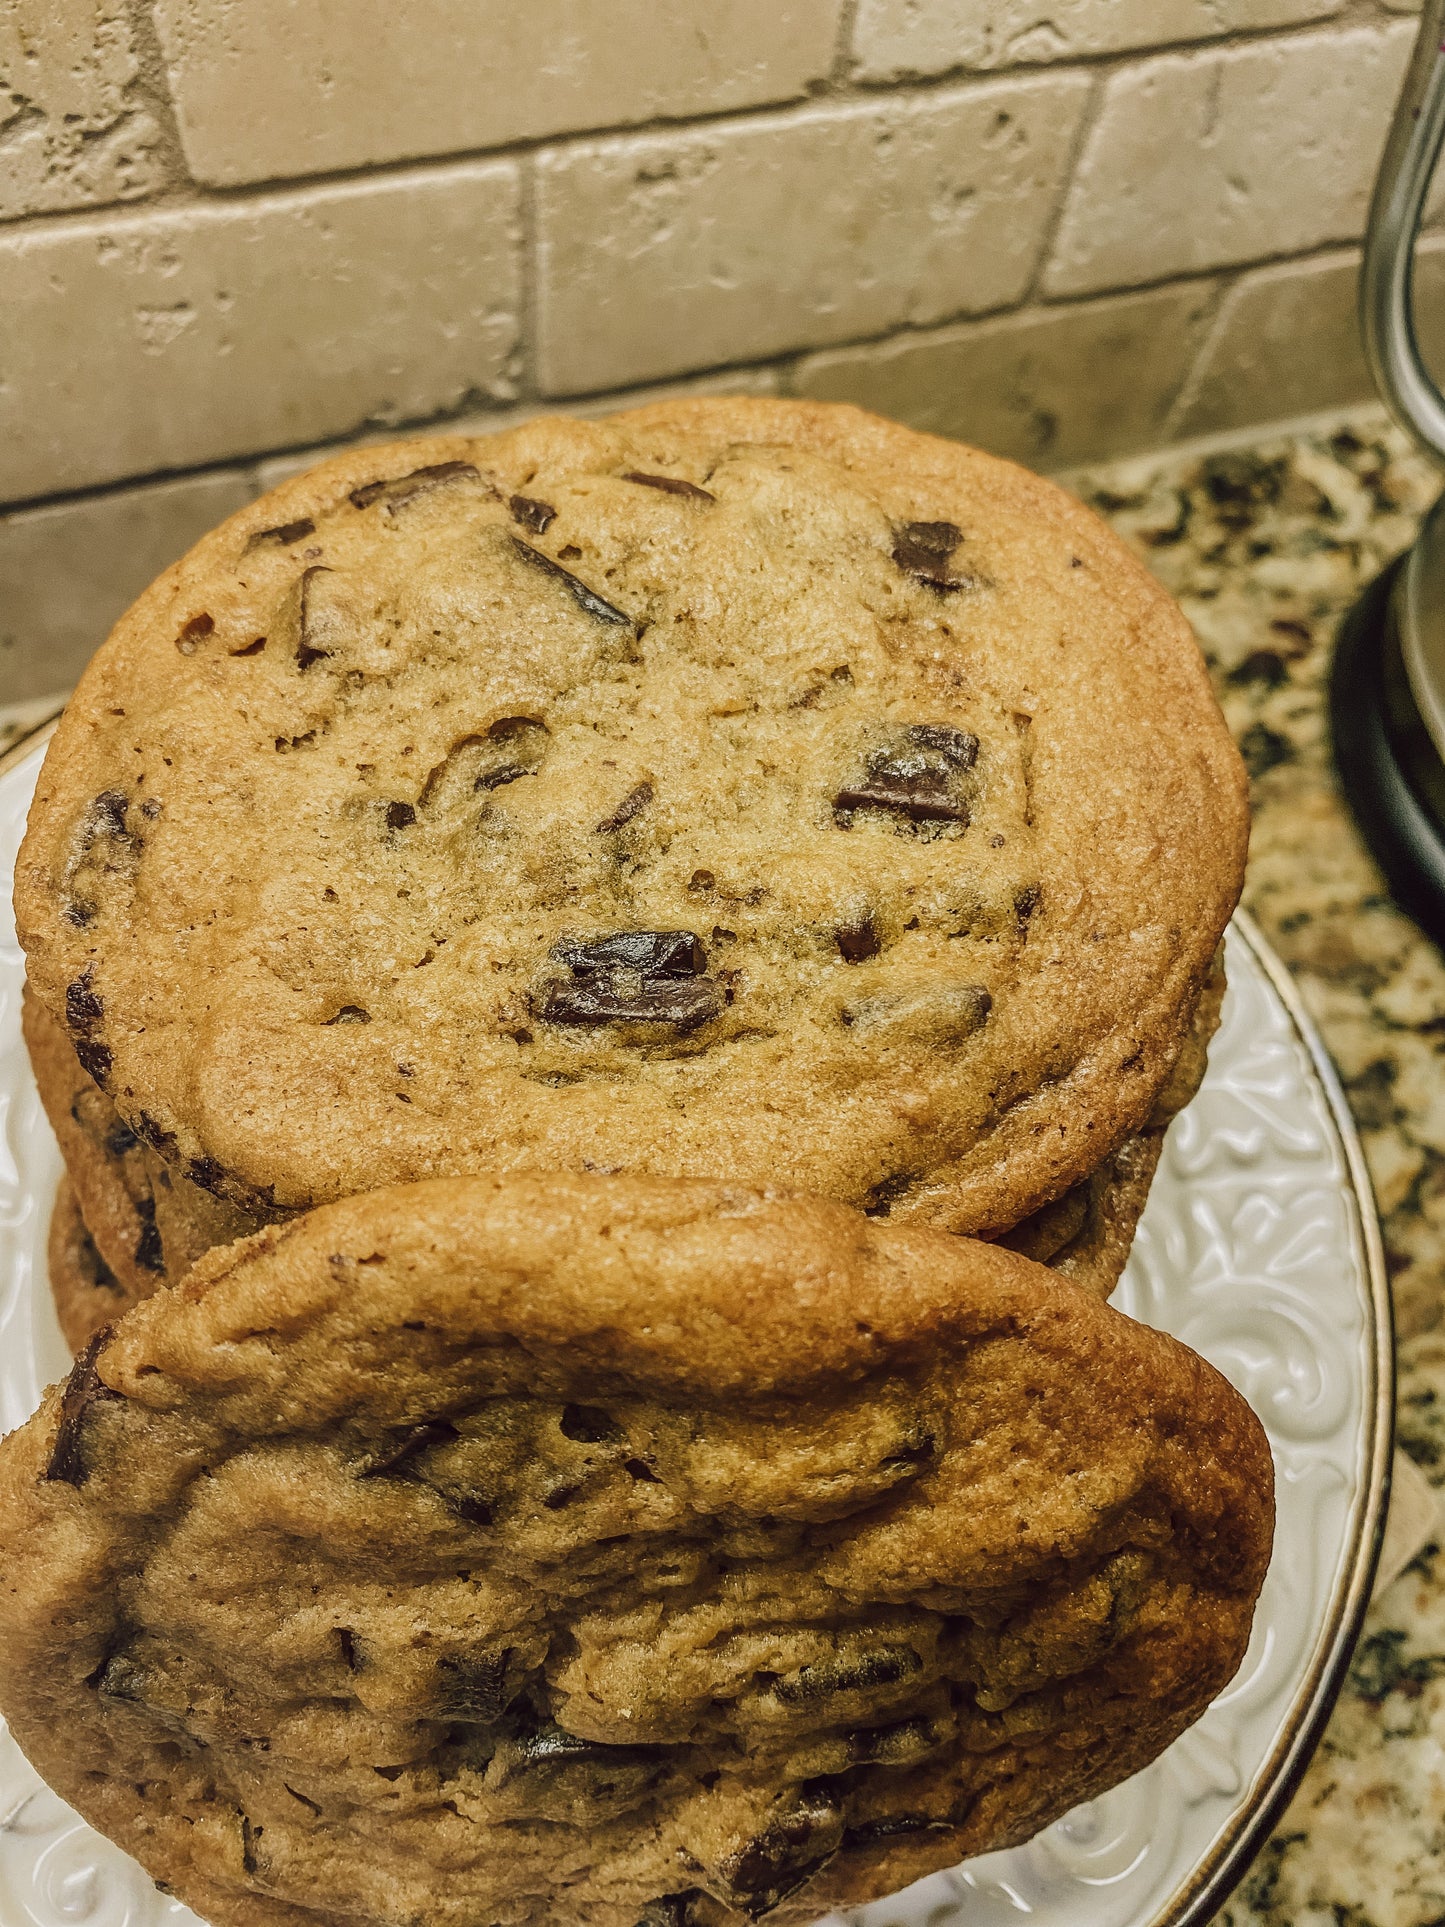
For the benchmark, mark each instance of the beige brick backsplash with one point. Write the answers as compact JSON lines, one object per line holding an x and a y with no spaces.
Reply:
{"x":1051,"y":389}
{"x":893,"y":39}
{"x":72,"y":133}
{"x":175,"y":339}
{"x":69,"y":569}
{"x":1201,"y":160}
{"x":1286,"y":342}
{"x":269,"y":88}
{"x":752,"y":238}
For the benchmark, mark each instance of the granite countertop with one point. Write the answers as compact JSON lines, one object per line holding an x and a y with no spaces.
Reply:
{"x":1266,"y":548}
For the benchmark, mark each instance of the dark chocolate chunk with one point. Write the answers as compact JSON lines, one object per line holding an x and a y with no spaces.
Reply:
{"x":148,"y":1253}
{"x":635,"y":801}
{"x":306,"y":652}
{"x":957,"y":746}
{"x":639,"y":1469}
{"x":795,"y":1844}
{"x":1025,"y":904}
{"x":251,"y":648}
{"x":896,"y":1745}
{"x":83,"y":1007}
{"x":194,"y":633}
{"x":83,"y":1388}
{"x":857,"y":942}
{"x":656,"y":953}
{"x":585,"y":598}
{"x":417,"y":1438}
{"x":302,"y":1798}
{"x":672,"y":484}
{"x":553,"y":1742}
{"x":922,"y":549}
{"x":400,"y":816}
{"x":281,"y":536}
{"x":672,"y":1910}
{"x":892,"y":1826}
{"x":506,"y":727}
{"x":494,"y":779}
{"x":473,"y":1687}
{"x":590,"y":1425}
{"x":918,"y":779}
{"x":884,"y":1667}
{"x":155,"y":1135}
{"x":885,"y":1194}
{"x":346,"y":1640}
{"x":208,"y":1175}
{"x":120,"y":1678}
{"x":107,"y":815}
{"x":470,"y":1506}
{"x":349,"y":1014}
{"x":396,"y":489}
{"x":532,"y":514}
{"x":249,"y":1836}
{"x":95,"y":1059}
{"x":683,"y":1006}
{"x":560,"y":1497}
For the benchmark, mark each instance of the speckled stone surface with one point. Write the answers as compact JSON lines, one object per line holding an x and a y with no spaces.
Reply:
{"x":1266,"y":549}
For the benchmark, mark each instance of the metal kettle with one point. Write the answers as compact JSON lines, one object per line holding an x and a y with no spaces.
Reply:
{"x":1387,"y":692}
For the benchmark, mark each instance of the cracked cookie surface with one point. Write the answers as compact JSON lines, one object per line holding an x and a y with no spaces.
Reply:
{"x":619,"y":1550}
{"x":899,"y":776}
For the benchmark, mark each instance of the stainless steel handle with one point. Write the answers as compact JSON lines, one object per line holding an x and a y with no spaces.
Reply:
{"x":1387,"y":320}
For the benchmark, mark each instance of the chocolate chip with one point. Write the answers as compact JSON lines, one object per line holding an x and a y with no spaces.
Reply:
{"x":416,"y":1438}
{"x":532,"y":514}
{"x":148,"y":1253}
{"x":306,"y":652}
{"x":585,"y":598}
{"x":395,"y":490}
{"x":249,"y":1836}
{"x":590,"y":1425}
{"x":311,"y":1804}
{"x":656,"y":953}
{"x":151,"y":808}
{"x":349,"y":1014}
{"x":673,"y":485}
{"x":640,"y":1470}
{"x":120,"y":1678}
{"x":795,"y":1844}
{"x":1025,"y":904}
{"x":957,"y":746}
{"x":120,"y":1139}
{"x":155,"y":1135}
{"x":672,"y":1910}
{"x":106,"y":816}
{"x":684,"y":1007}
{"x":495,"y":779}
{"x":473,"y":1688}
{"x":208,"y":1175}
{"x":553,"y":1742}
{"x":857,"y":942}
{"x":569,"y":552}
{"x":922,"y":550}
{"x":809,"y":1684}
{"x":84,"y":1388}
{"x":281,"y":536}
{"x":95,"y":1059}
{"x":896,"y":1745}
{"x":83,"y":1008}
{"x":701,"y":881}
{"x":194,"y":633}
{"x":400,"y":816}
{"x":346,"y":1640}
{"x":251,"y":648}
{"x":917,"y":779}
{"x":635,"y":801}
{"x":885,"y":1194}
{"x":560,"y":1497}
{"x":892,"y":1826}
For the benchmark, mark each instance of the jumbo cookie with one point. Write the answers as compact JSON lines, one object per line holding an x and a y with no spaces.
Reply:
{"x":1085,"y":1234}
{"x":741,"y":787}
{"x":612,"y":1551}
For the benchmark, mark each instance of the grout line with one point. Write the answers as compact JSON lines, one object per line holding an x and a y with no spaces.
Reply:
{"x":1089,"y":116}
{"x":841,"y":75}
{"x":1212,"y":331}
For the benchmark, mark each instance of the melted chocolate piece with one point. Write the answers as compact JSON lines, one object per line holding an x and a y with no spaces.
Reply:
{"x":148,"y":1253}
{"x":812,"y":1683}
{"x":585,"y":598}
{"x":95,"y":1059}
{"x":532,"y":514}
{"x":83,"y":1388}
{"x":672,"y":1910}
{"x":792,"y":1847}
{"x":590,"y":1425}
{"x":922,"y":550}
{"x":495,"y":779}
{"x":656,"y":953}
{"x":83,"y":1008}
{"x":400,"y":816}
{"x":251,"y":648}
{"x":474,"y":1689}
{"x":208,"y":1174}
{"x":683,"y":1006}
{"x":306,"y":653}
{"x":857,"y":942}
{"x":552,"y":1742}
{"x":155,"y":1135}
{"x":107,"y":816}
{"x":917,"y":779}
{"x":281,"y":536}
{"x":395,"y":490}
{"x":349,"y":1014}
{"x":892,"y":1826}
{"x":417,"y":1438}
{"x":631,"y":805}
{"x":885,"y":1194}
{"x":194,"y":633}
{"x":672,"y":484}
{"x":346,"y":1640}
{"x":896,"y":1745}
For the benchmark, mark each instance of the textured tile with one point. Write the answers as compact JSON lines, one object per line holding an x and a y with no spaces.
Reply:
{"x":1050,"y":388}
{"x":896,"y":38}
{"x":68,"y":570}
{"x":271,"y":89}
{"x":745,"y":240}
{"x":1204,"y":160}
{"x":72,"y":131}
{"x":175,"y":339}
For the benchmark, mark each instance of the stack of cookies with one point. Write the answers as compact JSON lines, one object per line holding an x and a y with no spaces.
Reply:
{"x":628,"y":922}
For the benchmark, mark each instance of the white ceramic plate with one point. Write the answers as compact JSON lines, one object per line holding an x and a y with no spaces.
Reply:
{"x":1259,"y":1248}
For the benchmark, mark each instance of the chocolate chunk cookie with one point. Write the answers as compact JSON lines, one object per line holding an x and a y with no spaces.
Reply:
{"x":612,"y":1549}
{"x":733,"y":786}
{"x":87,"y":1293}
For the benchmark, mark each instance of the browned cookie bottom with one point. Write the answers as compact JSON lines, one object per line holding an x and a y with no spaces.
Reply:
{"x":87,"y":1293}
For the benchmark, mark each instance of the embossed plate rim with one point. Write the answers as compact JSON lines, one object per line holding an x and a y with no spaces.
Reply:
{"x":1216,"y":1876}
{"x":1212,"y":1879}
